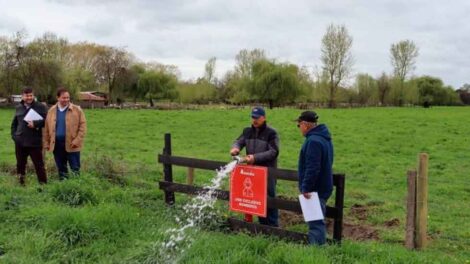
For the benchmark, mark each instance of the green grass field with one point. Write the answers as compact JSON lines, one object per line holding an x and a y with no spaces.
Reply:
{"x":114,"y":212}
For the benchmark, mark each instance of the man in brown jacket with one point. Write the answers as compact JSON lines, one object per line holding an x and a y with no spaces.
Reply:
{"x":64,"y":132}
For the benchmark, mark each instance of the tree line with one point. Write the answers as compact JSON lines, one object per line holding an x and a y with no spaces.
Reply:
{"x":49,"y":61}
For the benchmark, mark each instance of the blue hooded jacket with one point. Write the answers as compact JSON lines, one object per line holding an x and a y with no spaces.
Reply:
{"x":316,"y":163}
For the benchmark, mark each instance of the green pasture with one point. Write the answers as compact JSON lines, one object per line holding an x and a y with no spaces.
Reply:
{"x":114,"y":212}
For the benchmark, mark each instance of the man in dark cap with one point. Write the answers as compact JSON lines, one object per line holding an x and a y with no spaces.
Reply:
{"x":315,"y":169}
{"x":262,"y":148}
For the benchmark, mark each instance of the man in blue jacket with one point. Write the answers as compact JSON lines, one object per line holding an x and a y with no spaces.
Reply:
{"x":315,"y":169}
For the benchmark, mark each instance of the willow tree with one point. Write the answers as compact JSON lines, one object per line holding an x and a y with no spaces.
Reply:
{"x":157,"y":85}
{"x":274,"y":83}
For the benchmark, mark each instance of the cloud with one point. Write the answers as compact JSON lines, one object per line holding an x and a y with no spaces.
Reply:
{"x":101,"y":28}
{"x":9,"y":25}
{"x":187,"y":33}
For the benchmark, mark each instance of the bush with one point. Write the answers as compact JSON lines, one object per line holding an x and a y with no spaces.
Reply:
{"x":82,"y":226}
{"x":201,"y":92}
{"x":74,"y":228}
{"x":71,"y":193}
{"x":72,"y":234}
{"x":106,"y":167}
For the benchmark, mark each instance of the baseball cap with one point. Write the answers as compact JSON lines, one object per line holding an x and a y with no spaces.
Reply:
{"x":308,"y":116}
{"x":257,"y":112}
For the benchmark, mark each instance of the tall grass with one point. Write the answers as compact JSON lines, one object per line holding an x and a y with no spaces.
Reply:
{"x":114,"y":212}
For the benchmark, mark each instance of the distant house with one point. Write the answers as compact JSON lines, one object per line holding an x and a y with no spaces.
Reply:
{"x":464,"y":95}
{"x":15,"y":98}
{"x":92,"y":99}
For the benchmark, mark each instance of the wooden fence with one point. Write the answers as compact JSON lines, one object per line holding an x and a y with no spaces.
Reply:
{"x":170,"y":187}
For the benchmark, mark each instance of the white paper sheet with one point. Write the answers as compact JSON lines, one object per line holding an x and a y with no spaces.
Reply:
{"x":32,"y":116}
{"x":311,"y":208}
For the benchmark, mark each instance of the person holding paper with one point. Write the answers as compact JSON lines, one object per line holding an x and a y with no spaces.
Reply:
{"x":315,"y":169}
{"x":26,"y":132}
{"x":64,"y":133}
{"x":262,"y":148}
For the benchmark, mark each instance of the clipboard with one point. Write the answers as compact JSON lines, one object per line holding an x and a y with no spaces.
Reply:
{"x":311,"y":208}
{"x":32,"y":116}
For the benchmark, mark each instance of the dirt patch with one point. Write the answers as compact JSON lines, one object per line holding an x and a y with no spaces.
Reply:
{"x":392,"y":222}
{"x":358,"y":232}
{"x":351,"y":230}
{"x":359,"y":211}
{"x":288,"y":218}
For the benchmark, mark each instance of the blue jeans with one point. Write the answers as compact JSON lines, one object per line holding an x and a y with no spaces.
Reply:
{"x":317,"y":229}
{"x":272,"y":215}
{"x":61,"y":157}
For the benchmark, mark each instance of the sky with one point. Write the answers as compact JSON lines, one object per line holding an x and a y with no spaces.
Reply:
{"x":188,"y":33}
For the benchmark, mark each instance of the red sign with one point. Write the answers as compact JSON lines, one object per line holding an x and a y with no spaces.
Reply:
{"x":248,"y":190}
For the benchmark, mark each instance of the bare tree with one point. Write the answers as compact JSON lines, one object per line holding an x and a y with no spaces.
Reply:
{"x":11,"y":52}
{"x":210,"y":69}
{"x":111,"y":63}
{"x":403,"y":57}
{"x":245,"y":60}
{"x":336,"y":57}
{"x":82,"y":55}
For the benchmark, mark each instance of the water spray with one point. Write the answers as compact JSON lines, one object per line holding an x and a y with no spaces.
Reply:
{"x":199,"y":211}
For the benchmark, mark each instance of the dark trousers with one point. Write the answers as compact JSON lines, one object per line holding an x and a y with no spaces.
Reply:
{"x":61,"y":157}
{"x":317,"y":229}
{"x":35,"y":153}
{"x":272,"y":215}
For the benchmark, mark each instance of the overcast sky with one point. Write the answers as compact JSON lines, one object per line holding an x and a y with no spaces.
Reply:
{"x":188,"y":33}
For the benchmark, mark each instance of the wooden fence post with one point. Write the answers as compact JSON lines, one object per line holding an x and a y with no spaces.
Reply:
{"x":422,"y":201}
{"x":168,"y":171}
{"x":190,"y":177}
{"x":339,"y":204}
{"x":411,"y":211}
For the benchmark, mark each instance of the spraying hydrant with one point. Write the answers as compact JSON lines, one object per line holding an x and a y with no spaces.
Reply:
{"x":238,"y":159}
